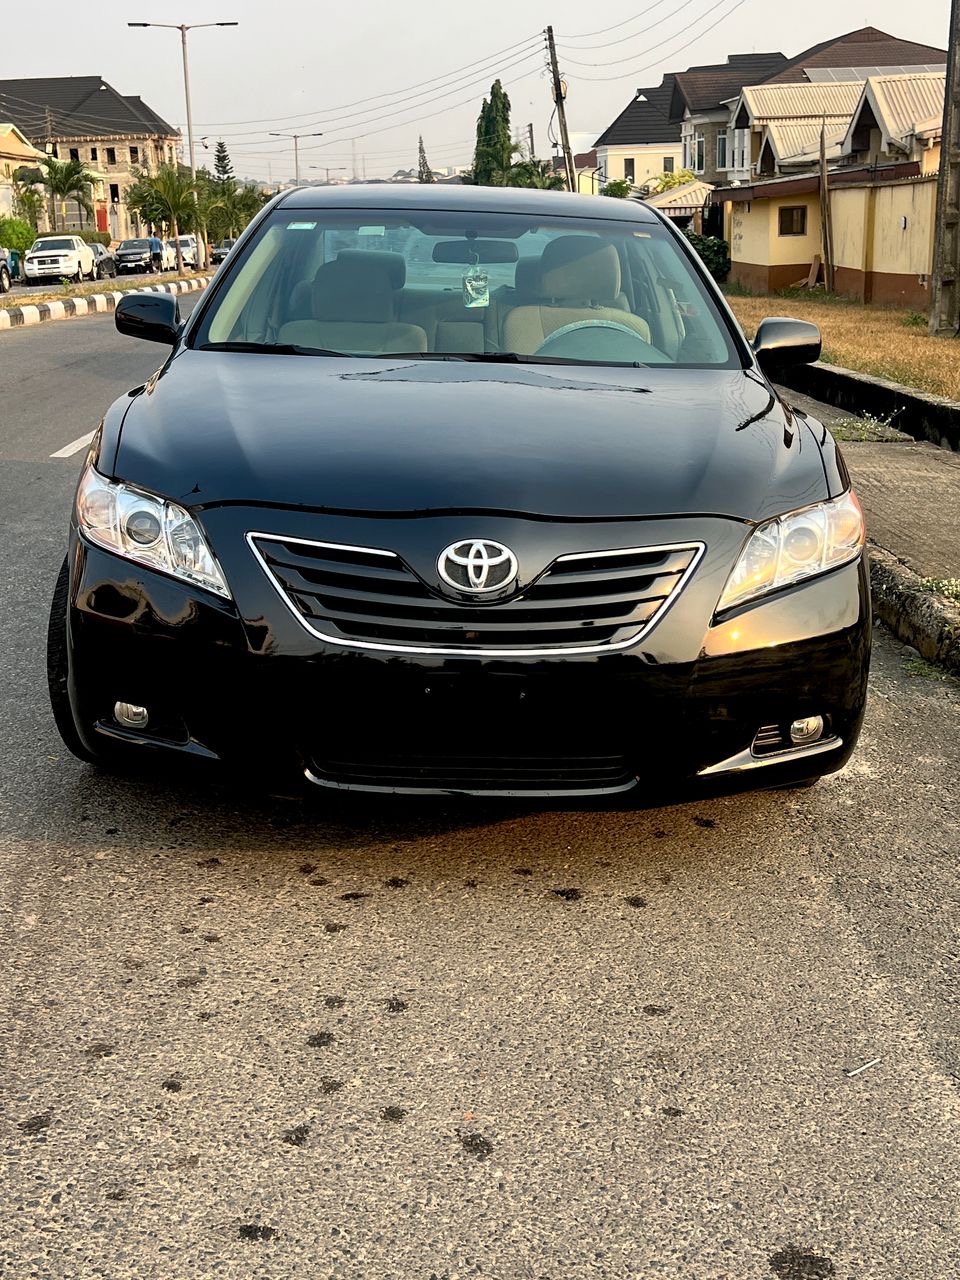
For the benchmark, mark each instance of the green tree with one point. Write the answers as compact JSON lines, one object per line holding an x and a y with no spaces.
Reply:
{"x":619,"y":188}
{"x":67,"y":180}
{"x":534,"y":173}
{"x":27,"y":200}
{"x":165,"y":199}
{"x":16,"y":234}
{"x":667,"y":181}
{"x":494,"y":152}
{"x":425,"y":173}
{"x":222,"y":166}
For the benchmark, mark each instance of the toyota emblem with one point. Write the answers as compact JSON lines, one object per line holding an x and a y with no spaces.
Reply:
{"x":477,"y":566}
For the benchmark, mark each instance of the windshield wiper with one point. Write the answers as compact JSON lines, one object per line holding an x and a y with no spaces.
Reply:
{"x":507,"y":357}
{"x":271,"y":348}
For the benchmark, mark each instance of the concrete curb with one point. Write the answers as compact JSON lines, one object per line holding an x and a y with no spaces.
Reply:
{"x":929,"y":622}
{"x":923,"y":416}
{"x":91,"y":304}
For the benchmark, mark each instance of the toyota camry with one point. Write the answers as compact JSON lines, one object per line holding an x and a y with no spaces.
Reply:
{"x":463,"y":490}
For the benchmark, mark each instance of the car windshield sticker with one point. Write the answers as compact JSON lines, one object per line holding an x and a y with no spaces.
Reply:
{"x":371,"y":231}
{"x":300,"y":226}
{"x":476,"y":286}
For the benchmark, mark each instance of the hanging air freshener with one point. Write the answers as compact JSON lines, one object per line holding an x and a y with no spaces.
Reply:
{"x":476,"y":286}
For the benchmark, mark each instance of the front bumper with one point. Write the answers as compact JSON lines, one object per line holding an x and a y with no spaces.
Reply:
{"x":247,"y":685}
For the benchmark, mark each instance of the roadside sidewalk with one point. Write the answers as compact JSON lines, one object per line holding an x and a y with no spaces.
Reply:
{"x":87,"y":304}
{"x":910,"y":494}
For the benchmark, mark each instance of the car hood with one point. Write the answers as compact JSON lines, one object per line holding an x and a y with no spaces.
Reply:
{"x":352,"y":435}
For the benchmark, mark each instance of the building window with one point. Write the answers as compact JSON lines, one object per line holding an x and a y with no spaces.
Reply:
{"x":667,"y":164}
{"x":134,"y":155}
{"x":722,"y":149}
{"x":53,"y":151}
{"x":630,"y":169}
{"x":793,"y":220}
{"x":93,"y":154}
{"x":115,"y":192}
{"x":75,"y":154}
{"x":111,"y":155}
{"x":699,"y":154}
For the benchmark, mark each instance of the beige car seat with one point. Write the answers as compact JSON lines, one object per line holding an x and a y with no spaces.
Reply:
{"x":579,"y":279}
{"x":354,"y":309}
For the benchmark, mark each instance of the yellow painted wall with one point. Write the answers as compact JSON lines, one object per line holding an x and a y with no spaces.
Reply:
{"x":648,"y":160}
{"x":750,"y":232}
{"x":784,"y":249}
{"x":930,"y":159}
{"x":850,"y":207}
{"x":900,"y":250}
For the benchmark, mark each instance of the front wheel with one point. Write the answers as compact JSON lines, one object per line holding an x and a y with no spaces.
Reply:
{"x":4,"y":279}
{"x":58,"y":670}
{"x":79,"y":276}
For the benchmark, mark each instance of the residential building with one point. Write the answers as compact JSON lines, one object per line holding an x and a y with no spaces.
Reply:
{"x":781,"y":109}
{"x":685,"y":204}
{"x":700,"y":104}
{"x":84,"y":118}
{"x":643,"y":141}
{"x":897,"y":117}
{"x":15,"y":153}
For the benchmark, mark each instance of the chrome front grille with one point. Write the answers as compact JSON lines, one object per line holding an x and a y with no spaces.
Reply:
{"x":366,"y":598}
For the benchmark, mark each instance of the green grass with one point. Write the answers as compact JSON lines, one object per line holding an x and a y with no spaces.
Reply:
{"x":925,"y":670}
{"x":866,"y":430}
{"x":947,"y":587}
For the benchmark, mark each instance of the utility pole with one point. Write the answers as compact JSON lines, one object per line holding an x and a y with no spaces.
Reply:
{"x":533,"y":149}
{"x":558,"y":97}
{"x":296,"y":149}
{"x":945,"y":290}
{"x":826,"y":215}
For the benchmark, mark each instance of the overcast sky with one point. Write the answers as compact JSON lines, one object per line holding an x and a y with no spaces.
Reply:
{"x":381,"y":73}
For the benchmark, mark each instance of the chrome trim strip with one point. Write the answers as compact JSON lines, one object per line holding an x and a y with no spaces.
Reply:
{"x":747,"y":760}
{"x":554,"y":651}
{"x":516,"y":794}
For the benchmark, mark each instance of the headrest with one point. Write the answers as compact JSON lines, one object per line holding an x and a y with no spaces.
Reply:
{"x":528,"y":277}
{"x":396,"y":262}
{"x":355,"y":291}
{"x":579,"y":269}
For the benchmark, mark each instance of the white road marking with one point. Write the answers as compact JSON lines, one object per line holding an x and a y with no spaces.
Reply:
{"x":74,"y":446}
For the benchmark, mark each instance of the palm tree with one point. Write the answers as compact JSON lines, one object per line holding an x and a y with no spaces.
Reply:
{"x":533,"y":173}
{"x":166,"y":198}
{"x":66,"y":180}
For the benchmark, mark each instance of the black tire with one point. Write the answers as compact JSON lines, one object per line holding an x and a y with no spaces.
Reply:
{"x":57,"y":672}
{"x":4,"y":279}
{"x":79,"y":276}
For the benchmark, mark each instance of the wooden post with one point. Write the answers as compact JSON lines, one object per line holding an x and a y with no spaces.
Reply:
{"x":945,"y":282}
{"x":826,"y":224}
{"x":558,"y":92}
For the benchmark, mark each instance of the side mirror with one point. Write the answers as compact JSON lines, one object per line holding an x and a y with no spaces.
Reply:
{"x":781,"y":341}
{"x":152,"y":316}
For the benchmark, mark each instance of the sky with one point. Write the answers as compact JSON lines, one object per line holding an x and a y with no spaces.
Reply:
{"x":373,"y":77}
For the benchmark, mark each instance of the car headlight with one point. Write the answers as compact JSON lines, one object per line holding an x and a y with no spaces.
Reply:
{"x":800,"y":545}
{"x":149,"y":530}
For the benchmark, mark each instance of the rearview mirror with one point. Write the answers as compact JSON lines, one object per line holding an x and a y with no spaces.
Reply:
{"x":781,"y":341}
{"x":152,"y":316}
{"x":467,"y":252}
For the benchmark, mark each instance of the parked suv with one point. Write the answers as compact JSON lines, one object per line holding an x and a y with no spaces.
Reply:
{"x":134,"y":255}
{"x":188,"y":249}
{"x":6,"y":271}
{"x":53,"y":257}
{"x":106,"y":261}
{"x":221,"y":250}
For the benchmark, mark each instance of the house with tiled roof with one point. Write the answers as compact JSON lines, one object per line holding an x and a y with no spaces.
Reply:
{"x":15,"y":152}
{"x":699,"y":103}
{"x":643,"y":141}
{"x":84,"y":118}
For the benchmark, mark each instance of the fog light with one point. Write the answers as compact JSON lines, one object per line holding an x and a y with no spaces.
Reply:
{"x":806,"y":731}
{"x":130,"y":715}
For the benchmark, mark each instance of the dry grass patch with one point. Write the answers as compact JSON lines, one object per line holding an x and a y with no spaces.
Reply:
{"x":885,"y":341}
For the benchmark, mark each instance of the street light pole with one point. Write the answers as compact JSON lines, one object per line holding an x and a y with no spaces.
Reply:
{"x":183,"y":28}
{"x":329,"y":168}
{"x":296,"y":149}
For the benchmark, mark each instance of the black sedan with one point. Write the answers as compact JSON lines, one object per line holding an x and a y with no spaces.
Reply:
{"x":463,"y":490}
{"x":104,"y":261}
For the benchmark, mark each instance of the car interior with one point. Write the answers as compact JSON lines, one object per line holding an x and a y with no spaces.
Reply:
{"x":583,"y":295}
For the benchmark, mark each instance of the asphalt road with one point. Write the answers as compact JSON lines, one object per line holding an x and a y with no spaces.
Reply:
{"x":261,"y":1039}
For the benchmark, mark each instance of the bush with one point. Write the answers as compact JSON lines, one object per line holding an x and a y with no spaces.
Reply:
{"x":618,"y":188}
{"x":16,"y":234}
{"x":94,"y":237}
{"x":715,"y":254}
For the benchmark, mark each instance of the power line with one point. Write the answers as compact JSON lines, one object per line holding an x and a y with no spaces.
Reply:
{"x":624,"y":75}
{"x":587,"y":35}
{"x":614,"y":62}
{"x":619,"y":41}
{"x":375,"y":97}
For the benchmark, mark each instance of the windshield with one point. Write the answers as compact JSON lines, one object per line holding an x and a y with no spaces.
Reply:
{"x":441,"y":284}
{"x":45,"y":246}
{"x":135,"y":244}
